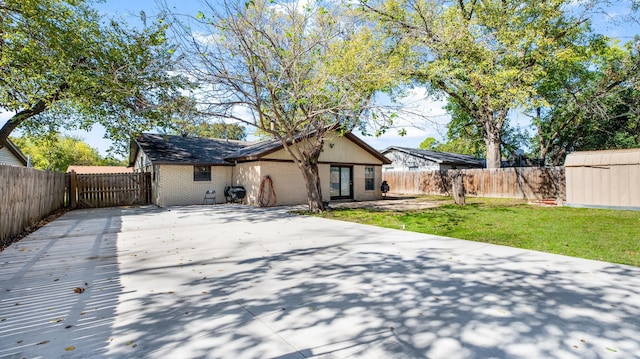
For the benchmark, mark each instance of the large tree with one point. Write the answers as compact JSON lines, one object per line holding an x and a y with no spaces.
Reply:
{"x":487,"y":56}
{"x":57,"y":152}
{"x":295,"y":70}
{"x":62,"y":65}
{"x":589,"y":102}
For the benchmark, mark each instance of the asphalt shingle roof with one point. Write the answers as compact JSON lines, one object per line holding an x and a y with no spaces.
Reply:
{"x":188,"y":150}
{"x":172,"y":149}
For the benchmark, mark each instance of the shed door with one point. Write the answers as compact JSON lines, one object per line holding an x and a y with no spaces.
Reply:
{"x":341,"y":182}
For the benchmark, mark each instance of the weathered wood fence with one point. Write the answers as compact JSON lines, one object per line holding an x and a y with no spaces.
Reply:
{"x":516,"y":182}
{"x":109,"y":189}
{"x":26,"y":196}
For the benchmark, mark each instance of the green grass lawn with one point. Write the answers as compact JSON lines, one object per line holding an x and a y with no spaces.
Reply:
{"x":607,"y":235}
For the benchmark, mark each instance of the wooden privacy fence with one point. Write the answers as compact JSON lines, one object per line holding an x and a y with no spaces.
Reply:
{"x":109,"y":189}
{"x":26,"y":196}
{"x":516,"y":182}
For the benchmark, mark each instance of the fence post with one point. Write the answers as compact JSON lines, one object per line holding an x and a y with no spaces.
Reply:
{"x":73,"y":189}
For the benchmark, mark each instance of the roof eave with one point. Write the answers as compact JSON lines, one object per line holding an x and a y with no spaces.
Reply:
{"x":16,"y":152}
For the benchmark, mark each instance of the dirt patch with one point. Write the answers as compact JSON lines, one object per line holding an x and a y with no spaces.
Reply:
{"x":390,"y":203}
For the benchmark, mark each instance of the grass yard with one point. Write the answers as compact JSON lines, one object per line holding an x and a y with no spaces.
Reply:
{"x":607,"y":235}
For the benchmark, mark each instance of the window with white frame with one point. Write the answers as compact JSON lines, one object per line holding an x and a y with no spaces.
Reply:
{"x":369,"y":178}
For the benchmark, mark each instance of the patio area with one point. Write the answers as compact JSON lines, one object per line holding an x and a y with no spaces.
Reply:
{"x":230,"y":281}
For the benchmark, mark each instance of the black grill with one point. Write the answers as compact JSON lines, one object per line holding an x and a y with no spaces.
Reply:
{"x":234,"y":193}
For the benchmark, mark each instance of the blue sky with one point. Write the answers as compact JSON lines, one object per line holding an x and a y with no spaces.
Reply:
{"x":129,"y":11}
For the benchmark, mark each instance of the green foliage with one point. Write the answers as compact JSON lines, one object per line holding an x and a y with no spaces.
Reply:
{"x":293,"y":68}
{"x":56,"y":152}
{"x":220,"y":129}
{"x":589,"y":102}
{"x":63,"y":66}
{"x":293,"y":71}
{"x":487,"y":56}
{"x":429,"y":143}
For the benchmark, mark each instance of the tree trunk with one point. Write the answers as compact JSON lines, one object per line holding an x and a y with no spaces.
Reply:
{"x":306,"y":158}
{"x":314,"y":190}
{"x":18,"y":118}
{"x":494,"y":159}
{"x":493,"y":140}
{"x":458,"y":188}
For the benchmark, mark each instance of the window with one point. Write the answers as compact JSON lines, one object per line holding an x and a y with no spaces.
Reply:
{"x":369,"y":178}
{"x":202,"y":173}
{"x":413,"y":168}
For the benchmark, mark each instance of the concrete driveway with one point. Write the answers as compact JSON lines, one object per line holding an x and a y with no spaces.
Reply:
{"x":238,"y":282}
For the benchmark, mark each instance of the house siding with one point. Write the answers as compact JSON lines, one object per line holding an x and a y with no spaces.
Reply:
{"x":336,"y":150}
{"x":289,"y":185}
{"x":8,"y":158}
{"x":174,"y":185}
{"x":359,"y":192}
{"x":402,"y":161}
{"x":248,"y":175}
{"x":287,"y":179}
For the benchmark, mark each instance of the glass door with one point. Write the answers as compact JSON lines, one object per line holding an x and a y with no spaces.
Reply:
{"x":341,"y":182}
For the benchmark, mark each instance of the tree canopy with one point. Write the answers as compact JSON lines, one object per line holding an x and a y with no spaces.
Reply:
{"x":57,"y":152}
{"x":294,"y":70}
{"x":488,"y":57}
{"x":63,"y":66}
{"x":589,"y":102}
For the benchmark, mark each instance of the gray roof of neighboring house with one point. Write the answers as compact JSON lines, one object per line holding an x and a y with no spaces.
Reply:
{"x":172,"y":149}
{"x":444,"y":158}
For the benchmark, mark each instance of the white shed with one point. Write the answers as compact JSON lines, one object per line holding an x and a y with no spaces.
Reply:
{"x":604,"y":179}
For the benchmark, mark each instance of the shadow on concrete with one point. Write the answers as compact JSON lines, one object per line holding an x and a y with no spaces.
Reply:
{"x":351,"y":300}
{"x":371,"y":294}
{"x":60,"y":286}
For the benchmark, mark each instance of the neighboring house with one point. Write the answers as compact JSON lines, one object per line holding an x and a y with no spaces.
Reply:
{"x":99,"y":169}
{"x":411,"y":159}
{"x":184,"y":168}
{"x":11,"y":155}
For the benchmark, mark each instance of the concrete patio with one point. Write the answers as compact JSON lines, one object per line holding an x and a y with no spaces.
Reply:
{"x":239,"y":282}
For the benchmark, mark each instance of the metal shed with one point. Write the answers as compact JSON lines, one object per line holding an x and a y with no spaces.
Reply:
{"x":604,"y":179}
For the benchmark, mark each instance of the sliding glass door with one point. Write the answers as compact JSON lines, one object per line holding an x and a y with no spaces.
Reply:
{"x":341,"y":182}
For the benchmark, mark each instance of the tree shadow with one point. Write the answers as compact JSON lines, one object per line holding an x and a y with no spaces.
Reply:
{"x":60,"y":286}
{"x":261,"y":287}
{"x":378,"y":295}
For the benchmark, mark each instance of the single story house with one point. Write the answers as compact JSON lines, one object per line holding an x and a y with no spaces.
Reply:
{"x":411,"y":159}
{"x":183,"y":169}
{"x":11,"y":155}
{"x":603,"y":179}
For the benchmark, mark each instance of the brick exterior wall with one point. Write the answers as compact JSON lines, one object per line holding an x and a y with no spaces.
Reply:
{"x":174,"y":185}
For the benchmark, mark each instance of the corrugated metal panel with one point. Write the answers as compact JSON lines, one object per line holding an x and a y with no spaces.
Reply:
{"x":603,"y":158}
